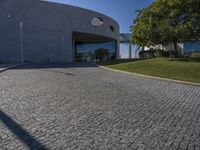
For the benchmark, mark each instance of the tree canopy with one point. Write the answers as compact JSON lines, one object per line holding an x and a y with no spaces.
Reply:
{"x":167,"y":21}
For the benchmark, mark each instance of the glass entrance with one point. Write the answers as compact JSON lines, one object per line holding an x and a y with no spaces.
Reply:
{"x":95,"y":51}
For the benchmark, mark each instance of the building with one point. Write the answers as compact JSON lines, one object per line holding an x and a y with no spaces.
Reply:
{"x":192,"y":46}
{"x":41,"y":31}
{"x":185,"y":48}
{"x":127,"y":49}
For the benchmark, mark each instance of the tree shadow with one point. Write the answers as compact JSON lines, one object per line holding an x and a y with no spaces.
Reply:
{"x":119,"y":61}
{"x":57,"y":65}
{"x":186,"y":59}
{"x":69,"y":74}
{"x":24,"y":136}
{"x":46,"y":65}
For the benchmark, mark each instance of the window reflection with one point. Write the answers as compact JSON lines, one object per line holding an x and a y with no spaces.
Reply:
{"x":95,"y":51}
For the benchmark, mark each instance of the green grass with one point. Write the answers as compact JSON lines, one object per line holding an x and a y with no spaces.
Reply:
{"x":179,"y":69}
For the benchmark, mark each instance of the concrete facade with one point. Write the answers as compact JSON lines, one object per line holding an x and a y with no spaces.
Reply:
{"x":47,"y":30}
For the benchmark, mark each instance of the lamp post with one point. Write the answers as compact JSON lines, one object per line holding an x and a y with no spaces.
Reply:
{"x":21,"y":42}
{"x":63,"y":47}
{"x":130,"y":50}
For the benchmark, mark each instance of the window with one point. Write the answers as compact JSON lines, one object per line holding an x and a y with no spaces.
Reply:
{"x":112,"y":28}
{"x":95,"y":51}
{"x":96,"y":21}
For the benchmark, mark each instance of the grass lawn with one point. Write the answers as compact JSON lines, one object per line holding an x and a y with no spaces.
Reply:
{"x":179,"y":69}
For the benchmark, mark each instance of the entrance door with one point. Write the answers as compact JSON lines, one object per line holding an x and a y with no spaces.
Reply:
{"x":94,"y":50}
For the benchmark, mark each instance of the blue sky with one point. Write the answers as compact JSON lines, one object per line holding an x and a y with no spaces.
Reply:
{"x":123,"y":11}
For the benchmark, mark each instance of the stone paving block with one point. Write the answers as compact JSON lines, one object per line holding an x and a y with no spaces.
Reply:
{"x":72,"y":107}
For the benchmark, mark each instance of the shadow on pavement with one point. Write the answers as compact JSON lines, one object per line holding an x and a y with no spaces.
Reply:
{"x":56,"y":65}
{"x":21,"y":133}
{"x":69,"y":74}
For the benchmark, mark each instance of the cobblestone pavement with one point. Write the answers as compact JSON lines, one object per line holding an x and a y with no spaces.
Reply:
{"x":85,"y":107}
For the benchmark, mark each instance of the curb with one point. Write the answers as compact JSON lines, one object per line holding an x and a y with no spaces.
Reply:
{"x":150,"y":77}
{"x":11,"y":67}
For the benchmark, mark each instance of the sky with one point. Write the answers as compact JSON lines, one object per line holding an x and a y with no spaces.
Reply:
{"x":123,"y":11}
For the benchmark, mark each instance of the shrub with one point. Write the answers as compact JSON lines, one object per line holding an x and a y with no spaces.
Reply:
{"x":195,"y":55}
{"x":161,"y":53}
{"x":147,"y":54}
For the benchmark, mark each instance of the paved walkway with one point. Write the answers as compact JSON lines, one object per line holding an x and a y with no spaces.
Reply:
{"x":86,"y":107}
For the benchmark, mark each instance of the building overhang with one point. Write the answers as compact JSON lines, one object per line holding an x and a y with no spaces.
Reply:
{"x":80,"y":36}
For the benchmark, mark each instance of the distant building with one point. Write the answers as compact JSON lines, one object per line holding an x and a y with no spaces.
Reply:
{"x":127,"y":49}
{"x":192,"y":46}
{"x":185,"y":48}
{"x":168,"y":47}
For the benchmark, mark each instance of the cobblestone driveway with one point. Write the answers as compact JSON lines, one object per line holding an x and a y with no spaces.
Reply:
{"x":85,"y":107}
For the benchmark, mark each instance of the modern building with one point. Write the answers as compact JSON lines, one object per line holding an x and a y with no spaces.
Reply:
{"x":192,"y":46}
{"x":40,"y":31}
{"x":127,"y":49}
{"x":186,"y":47}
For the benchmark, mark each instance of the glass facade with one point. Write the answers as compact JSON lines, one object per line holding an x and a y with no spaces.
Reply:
{"x":192,"y":46}
{"x":95,"y":51}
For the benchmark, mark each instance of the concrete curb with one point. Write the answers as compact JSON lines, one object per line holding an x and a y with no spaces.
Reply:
{"x":11,"y":67}
{"x":150,"y":77}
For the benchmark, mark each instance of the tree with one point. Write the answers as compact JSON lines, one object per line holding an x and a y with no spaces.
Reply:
{"x":167,"y":21}
{"x":101,"y":54}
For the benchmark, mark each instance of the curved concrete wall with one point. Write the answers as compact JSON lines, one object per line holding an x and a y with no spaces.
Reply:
{"x":44,"y":26}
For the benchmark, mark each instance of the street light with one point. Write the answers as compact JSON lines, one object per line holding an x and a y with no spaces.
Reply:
{"x":130,"y":50}
{"x":63,"y":47}
{"x":21,"y":42}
